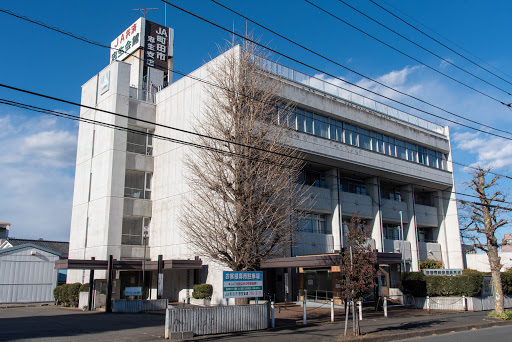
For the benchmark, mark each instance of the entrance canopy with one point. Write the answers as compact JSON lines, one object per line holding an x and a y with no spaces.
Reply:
{"x":125,"y":265}
{"x":324,"y":260}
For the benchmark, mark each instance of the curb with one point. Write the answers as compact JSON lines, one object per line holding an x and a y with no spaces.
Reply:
{"x":428,"y":332}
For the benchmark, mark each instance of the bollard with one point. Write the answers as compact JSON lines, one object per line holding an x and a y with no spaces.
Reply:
{"x":166,"y":333}
{"x":385,"y":306}
{"x":183,"y":302}
{"x":332,"y":310}
{"x":464,"y":303}
{"x":272,"y":317}
{"x":304,"y":313}
{"x":256,"y":300}
{"x":360,"y":307}
{"x":428,"y":304}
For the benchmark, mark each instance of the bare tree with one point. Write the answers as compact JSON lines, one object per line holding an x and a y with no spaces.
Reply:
{"x":245,"y":202}
{"x":484,"y":221}
{"x":358,"y":266}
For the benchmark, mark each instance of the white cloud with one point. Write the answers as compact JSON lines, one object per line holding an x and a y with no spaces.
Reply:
{"x":490,"y":151}
{"x":37,"y":175}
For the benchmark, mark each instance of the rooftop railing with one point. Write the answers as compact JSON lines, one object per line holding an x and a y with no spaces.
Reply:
{"x":347,"y":95}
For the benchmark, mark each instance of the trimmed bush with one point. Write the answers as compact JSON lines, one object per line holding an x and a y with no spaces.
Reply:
{"x":506,"y":282}
{"x":417,"y":284}
{"x":430,"y":264}
{"x":67,"y":294}
{"x":84,"y":288}
{"x":202,"y":291}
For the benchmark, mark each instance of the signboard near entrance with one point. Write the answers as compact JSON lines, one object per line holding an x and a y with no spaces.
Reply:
{"x":240,"y":284}
{"x":133,"y":291}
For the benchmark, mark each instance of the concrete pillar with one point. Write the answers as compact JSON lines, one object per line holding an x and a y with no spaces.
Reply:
{"x":410,"y":229}
{"x":336,"y":222}
{"x":372,"y":186}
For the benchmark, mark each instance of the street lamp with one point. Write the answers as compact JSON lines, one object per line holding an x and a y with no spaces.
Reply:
{"x":145,"y":242}
{"x":402,"y":240}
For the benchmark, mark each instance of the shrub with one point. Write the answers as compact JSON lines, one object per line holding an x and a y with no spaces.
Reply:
{"x":202,"y":291}
{"x":507,"y":315}
{"x":506,"y":282}
{"x":419,"y":285}
{"x":84,"y":288}
{"x":67,"y":294}
{"x":430,"y":264}
{"x":414,"y":283}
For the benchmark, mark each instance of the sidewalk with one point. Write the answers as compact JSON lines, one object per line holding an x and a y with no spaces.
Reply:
{"x":400,"y":324}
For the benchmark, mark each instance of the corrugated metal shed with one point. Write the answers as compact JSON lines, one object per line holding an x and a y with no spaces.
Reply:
{"x":27,"y":274}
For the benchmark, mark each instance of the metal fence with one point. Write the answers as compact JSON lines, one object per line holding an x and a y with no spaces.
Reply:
{"x":217,"y":319}
{"x":459,"y":303}
{"x":134,"y":306}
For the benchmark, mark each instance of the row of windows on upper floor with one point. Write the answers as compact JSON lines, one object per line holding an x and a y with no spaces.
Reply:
{"x":355,"y":186}
{"x":305,"y":121}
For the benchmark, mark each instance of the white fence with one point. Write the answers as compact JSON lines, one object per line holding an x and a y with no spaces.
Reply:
{"x":217,"y":319}
{"x":134,"y":306}
{"x":459,"y":303}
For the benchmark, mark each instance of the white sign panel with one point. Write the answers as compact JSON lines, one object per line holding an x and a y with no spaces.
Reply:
{"x":240,"y":284}
{"x":128,"y":42}
{"x":104,"y":82}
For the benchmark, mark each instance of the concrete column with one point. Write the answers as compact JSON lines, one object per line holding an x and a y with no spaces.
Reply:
{"x":449,"y":234}
{"x":336,"y":222}
{"x":372,"y":186}
{"x":410,"y":230}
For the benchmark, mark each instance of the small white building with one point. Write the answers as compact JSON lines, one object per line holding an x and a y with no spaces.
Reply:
{"x":27,"y":274}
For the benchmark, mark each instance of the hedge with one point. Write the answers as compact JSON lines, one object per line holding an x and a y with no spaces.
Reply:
{"x":420,"y":285}
{"x":67,"y":294}
{"x":506,"y":282}
{"x":202,"y":291}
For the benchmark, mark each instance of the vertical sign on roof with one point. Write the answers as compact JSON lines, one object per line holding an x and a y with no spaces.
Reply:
{"x":239,"y":284}
{"x":129,"y":41}
{"x":158,"y":46}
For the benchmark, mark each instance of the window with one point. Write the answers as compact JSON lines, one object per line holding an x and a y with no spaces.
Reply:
{"x":411,"y":152}
{"x":313,"y":178}
{"x":139,"y":140}
{"x":424,"y":198}
{"x":309,"y":122}
{"x":422,"y":155}
{"x":432,"y":159}
{"x":350,"y":134}
{"x":364,"y":139}
{"x":133,"y":228}
{"x":391,"y":193}
{"x":354,"y":186}
{"x":426,"y":234}
{"x":392,"y":146}
{"x":391,"y":231}
{"x":321,"y":126}
{"x":137,"y":184}
{"x":400,"y":149}
{"x":313,"y":223}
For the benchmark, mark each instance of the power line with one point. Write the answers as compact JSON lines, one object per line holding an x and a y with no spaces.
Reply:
{"x":437,"y":41}
{"x":407,"y":55}
{"x":352,"y":70}
{"x":353,"y":84}
{"x":91,"y":121}
{"x":424,"y":48}
{"x":326,"y":73}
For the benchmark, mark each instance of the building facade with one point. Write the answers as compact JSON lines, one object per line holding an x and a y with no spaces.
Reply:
{"x":388,"y":167}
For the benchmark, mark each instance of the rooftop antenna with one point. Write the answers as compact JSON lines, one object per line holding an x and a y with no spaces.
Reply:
{"x":145,"y":10}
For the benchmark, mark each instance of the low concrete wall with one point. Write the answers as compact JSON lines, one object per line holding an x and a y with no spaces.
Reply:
{"x":134,"y":306}
{"x":216,"y":319}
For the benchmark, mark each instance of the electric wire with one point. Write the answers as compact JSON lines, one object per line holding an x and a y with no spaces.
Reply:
{"x":424,"y":48}
{"x":179,"y":141}
{"x":327,"y":73}
{"x":354,"y":71}
{"x":353,"y":84}
{"x":439,"y":42}
{"x":407,"y":55}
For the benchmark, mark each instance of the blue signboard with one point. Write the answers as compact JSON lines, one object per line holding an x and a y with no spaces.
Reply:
{"x":242,"y":284}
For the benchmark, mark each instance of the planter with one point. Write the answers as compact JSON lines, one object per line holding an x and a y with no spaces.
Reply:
{"x":201,"y":302}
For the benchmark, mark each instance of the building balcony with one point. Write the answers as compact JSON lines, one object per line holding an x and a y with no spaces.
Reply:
{"x":396,"y":246}
{"x":426,"y":215}
{"x":429,"y":250}
{"x":356,"y":203}
{"x":312,"y":243}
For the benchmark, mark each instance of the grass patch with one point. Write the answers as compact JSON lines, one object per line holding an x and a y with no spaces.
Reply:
{"x":507,"y":315}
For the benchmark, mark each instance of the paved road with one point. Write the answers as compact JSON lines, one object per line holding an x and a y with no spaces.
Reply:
{"x":490,"y":334}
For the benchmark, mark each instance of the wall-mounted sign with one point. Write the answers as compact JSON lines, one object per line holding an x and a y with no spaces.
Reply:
{"x":239,"y":284}
{"x":133,"y":291}
{"x":104,"y":82}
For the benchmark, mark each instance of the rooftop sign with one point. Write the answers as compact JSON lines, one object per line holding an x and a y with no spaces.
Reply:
{"x":156,"y":40}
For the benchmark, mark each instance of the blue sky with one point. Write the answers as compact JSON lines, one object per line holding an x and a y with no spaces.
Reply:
{"x":37,"y":152}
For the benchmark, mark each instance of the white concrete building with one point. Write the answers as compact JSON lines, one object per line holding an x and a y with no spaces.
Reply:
{"x":386,"y":165}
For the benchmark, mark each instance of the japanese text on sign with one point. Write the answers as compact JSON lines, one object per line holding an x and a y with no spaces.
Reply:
{"x":239,"y":284}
